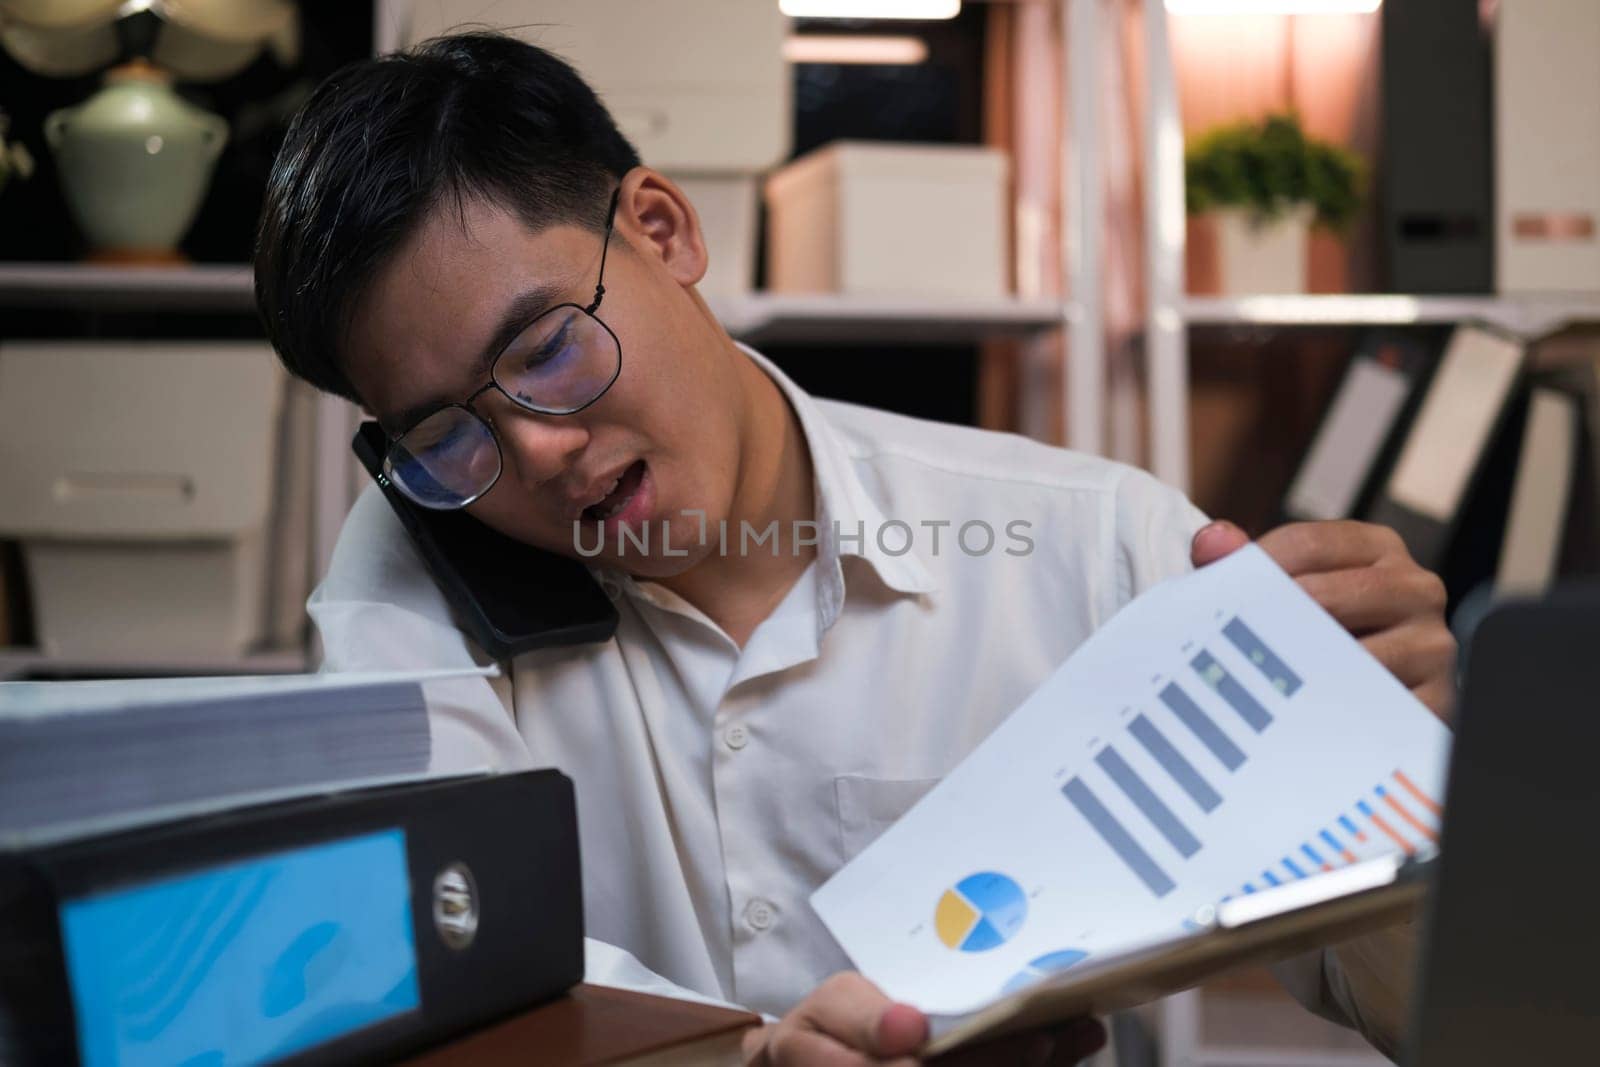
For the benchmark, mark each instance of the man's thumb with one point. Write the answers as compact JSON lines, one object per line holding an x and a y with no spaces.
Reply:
{"x":1215,"y":541}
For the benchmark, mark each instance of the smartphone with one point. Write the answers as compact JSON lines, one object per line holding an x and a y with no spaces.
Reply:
{"x":508,"y":596}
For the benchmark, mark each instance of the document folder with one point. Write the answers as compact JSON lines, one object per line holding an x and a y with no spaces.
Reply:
{"x":349,"y":926}
{"x":1262,"y":928}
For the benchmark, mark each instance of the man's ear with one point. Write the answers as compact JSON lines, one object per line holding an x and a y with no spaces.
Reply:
{"x":656,"y":216}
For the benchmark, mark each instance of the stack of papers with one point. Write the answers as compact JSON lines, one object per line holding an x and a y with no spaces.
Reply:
{"x":1222,"y":736}
{"x":81,"y":757}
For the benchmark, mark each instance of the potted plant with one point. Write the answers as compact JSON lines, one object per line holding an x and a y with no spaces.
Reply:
{"x":1262,"y":185}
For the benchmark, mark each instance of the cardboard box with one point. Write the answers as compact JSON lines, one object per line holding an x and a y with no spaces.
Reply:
{"x":699,"y":87}
{"x":139,"y":477}
{"x":891,"y":219}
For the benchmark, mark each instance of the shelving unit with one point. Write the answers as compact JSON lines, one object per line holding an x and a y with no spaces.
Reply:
{"x":85,"y":287}
{"x":753,"y":317}
{"x":1170,"y":312}
{"x":774,"y":318}
{"x":1200,"y":1028}
{"x":757,"y":318}
{"x":1528,"y":317}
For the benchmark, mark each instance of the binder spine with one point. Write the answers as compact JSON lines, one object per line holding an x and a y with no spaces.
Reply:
{"x":36,"y":1022}
{"x":1437,"y":185}
{"x":500,"y":851}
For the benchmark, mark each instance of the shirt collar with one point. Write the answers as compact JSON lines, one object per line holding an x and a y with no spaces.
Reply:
{"x":844,"y":510}
{"x":844,"y":507}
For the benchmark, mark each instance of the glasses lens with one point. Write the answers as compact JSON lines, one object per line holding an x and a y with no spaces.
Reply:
{"x":445,"y":461}
{"x":560,"y":363}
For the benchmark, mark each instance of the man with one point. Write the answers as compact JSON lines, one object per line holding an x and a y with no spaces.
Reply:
{"x":459,"y":240}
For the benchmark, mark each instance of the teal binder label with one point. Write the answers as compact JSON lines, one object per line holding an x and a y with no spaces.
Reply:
{"x":246,"y":962}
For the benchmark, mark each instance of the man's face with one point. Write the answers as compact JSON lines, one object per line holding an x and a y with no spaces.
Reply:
{"x":669,"y":427}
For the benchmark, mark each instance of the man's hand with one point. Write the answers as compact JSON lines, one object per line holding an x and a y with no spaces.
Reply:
{"x":1364,"y":577}
{"x":847,"y":1021}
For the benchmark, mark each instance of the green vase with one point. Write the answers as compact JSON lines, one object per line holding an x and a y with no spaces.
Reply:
{"x":135,"y":160}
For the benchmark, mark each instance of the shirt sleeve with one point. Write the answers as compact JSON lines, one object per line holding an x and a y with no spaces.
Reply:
{"x":608,"y":965}
{"x":378,"y":610}
{"x":1153,"y":526}
{"x":1363,"y":984}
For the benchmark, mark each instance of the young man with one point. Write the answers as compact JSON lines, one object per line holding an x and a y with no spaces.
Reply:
{"x":460,"y":241}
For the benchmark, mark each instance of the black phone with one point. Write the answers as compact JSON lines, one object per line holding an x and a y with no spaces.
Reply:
{"x":509,"y":597}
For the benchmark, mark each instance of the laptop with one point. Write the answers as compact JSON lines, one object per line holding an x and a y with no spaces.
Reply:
{"x":1511,"y":947}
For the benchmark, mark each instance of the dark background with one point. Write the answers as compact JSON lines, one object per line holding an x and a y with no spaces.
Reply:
{"x":939,"y":101}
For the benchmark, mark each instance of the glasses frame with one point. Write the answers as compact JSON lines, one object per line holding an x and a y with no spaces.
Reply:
{"x":494,"y":383}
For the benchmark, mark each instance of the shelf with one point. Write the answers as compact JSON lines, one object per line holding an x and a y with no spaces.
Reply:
{"x":826,"y":318}
{"x":200,"y":287}
{"x":15,"y":662}
{"x":1526,"y":316}
{"x":754,"y":317}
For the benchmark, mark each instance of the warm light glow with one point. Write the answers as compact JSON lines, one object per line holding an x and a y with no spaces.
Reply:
{"x":823,"y":48}
{"x":870,"y":9}
{"x":1273,"y":7}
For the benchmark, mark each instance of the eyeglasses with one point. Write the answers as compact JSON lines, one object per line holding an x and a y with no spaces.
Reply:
{"x":559,"y":364}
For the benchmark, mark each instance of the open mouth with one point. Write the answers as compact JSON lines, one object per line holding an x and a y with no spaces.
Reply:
{"x":620,"y":495}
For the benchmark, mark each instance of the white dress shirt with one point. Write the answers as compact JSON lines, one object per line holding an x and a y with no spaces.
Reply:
{"x":718,"y":787}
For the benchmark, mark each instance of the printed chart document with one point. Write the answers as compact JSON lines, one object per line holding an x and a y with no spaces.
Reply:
{"x":1221,"y":735}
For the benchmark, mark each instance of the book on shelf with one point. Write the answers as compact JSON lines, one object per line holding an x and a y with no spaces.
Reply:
{"x":1486,"y":459}
{"x":1537,"y":518}
{"x":1436,"y":182}
{"x":1448,"y":442}
{"x":1571,"y":362}
{"x":1355,"y":445}
{"x":1547,"y":158}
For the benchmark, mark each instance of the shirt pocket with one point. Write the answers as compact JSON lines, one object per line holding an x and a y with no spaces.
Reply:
{"x":869,"y":806}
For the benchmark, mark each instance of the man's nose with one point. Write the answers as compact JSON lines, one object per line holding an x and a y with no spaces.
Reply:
{"x":538,"y":447}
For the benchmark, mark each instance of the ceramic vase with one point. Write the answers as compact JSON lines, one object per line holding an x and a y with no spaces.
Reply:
{"x":135,"y":160}
{"x":1256,"y":256}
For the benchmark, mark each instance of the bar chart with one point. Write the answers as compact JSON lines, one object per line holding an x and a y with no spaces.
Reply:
{"x":1182,"y":786}
{"x":1221,"y":735}
{"x":1399,"y":814}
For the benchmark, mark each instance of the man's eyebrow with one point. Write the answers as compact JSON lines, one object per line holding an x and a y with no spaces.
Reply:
{"x":523,"y":309}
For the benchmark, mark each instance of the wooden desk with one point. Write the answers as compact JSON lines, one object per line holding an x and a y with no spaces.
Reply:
{"x":602,"y":1025}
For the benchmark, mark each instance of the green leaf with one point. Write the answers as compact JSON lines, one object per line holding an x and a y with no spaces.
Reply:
{"x":1268,"y":167}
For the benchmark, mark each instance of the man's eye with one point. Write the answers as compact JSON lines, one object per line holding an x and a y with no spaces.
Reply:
{"x":549,"y":350}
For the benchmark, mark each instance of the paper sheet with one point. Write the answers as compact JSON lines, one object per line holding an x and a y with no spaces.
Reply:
{"x":24,"y":699}
{"x":1220,"y":735}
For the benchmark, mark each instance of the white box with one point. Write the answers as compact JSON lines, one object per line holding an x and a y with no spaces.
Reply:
{"x":727,"y":206}
{"x":699,"y":87}
{"x":696,"y":85}
{"x":1547,"y":146}
{"x":890,"y":219}
{"x":139,"y":477}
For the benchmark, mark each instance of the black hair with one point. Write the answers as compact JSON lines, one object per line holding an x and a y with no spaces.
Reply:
{"x":383,"y":142}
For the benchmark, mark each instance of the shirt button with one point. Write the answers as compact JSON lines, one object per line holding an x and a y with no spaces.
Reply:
{"x":736,"y":737}
{"x":611,"y":588}
{"x":759,"y":914}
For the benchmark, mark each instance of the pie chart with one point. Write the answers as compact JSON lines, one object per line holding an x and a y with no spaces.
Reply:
{"x":1043,"y":967}
{"x":982,"y":911}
